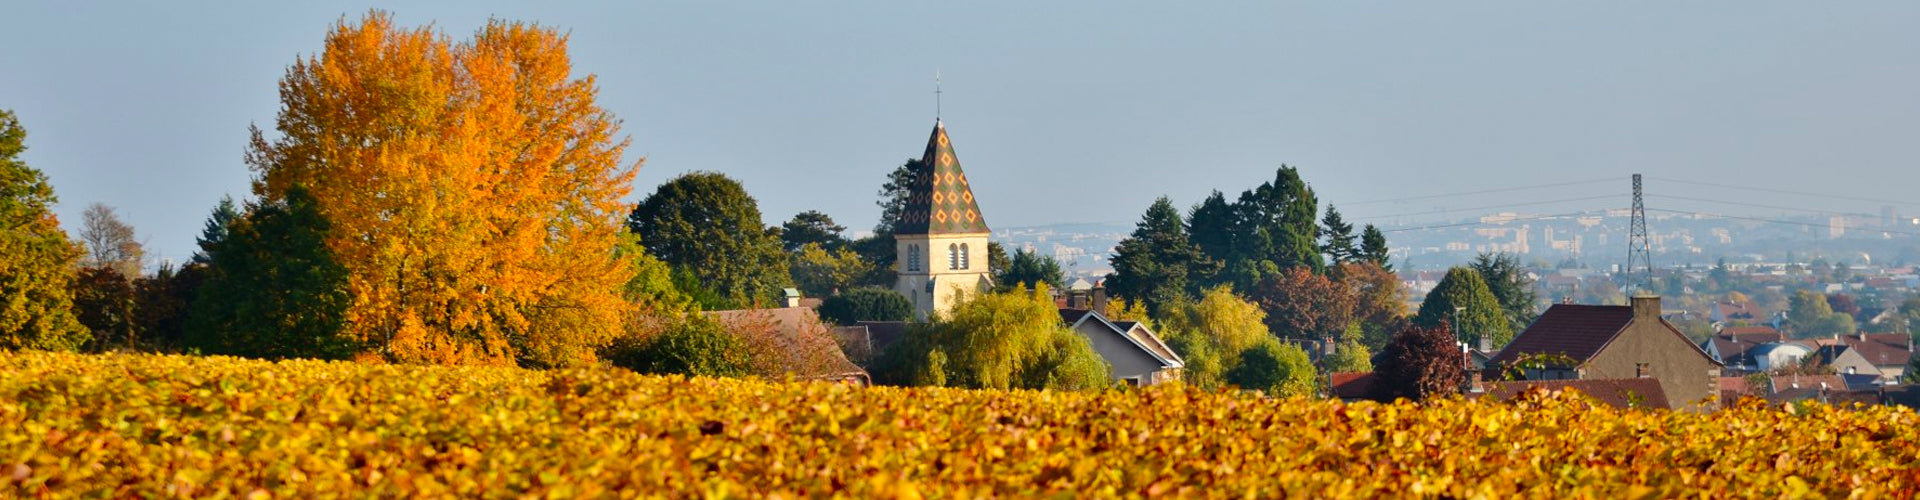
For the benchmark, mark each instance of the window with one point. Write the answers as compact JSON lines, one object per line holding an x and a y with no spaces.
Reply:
{"x":953,"y":256}
{"x":964,"y":264}
{"x":913,"y":257}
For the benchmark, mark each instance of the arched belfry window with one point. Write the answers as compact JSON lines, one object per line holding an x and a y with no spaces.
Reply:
{"x":964,"y":262}
{"x":953,"y":256}
{"x":913,"y":257}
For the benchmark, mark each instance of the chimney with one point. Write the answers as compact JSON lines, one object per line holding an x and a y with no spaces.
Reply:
{"x":1326,"y":345}
{"x":1486,"y":344}
{"x":1099,"y":300}
{"x":1646,"y":307}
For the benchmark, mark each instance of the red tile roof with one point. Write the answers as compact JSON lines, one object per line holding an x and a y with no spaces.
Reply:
{"x":1619,"y":393}
{"x":1352,"y":385}
{"x":1577,"y":331}
{"x":1784,"y":383}
{"x":1752,"y":331}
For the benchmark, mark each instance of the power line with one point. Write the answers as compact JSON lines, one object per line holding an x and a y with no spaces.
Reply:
{"x":1784,"y":222}
{"x":1476,"y":223}
{"x":1757,"y":205}
{"x":1483,"y":191}
{"x":1491,"y":207}
{"x":1784,"y":191}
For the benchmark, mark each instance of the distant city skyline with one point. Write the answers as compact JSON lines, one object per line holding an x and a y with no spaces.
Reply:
{"x":1081,"y":112}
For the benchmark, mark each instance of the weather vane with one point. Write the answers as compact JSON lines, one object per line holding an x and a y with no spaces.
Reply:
{"x":936,"y":94}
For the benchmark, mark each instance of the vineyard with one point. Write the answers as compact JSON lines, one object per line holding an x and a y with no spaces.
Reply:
{"x":121,"y":426}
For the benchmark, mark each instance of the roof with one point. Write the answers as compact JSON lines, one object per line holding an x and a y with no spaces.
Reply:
{"x":1352,"y":385}
{"x":881,"y":334}
{"x":1620,"y":392}
{"x":1741,"y":310}
{"x":1881,"y":349}
{"x":1765,"y":331}
{"x":1785,"y":383}
{"x":1576,"y":331}
{"x":1143,"y":335}
{"x":1906,"y":395}
{"x":807,"y":347}
{"x":1075,"y":317}
{"x":940,"y":201}
{"x":1734,"y":343}
{"x":1734,"y":384}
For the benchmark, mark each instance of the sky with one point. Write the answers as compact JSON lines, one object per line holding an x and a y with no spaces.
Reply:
{"x":1064,"y":111}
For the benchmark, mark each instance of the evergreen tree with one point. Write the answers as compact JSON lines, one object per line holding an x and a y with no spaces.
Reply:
{"x":1285,"y":210}
{"x":1030,"y":269}
{"x":1214,"y":228}
{"x":1340,"y":238}
{"x":1510,"y":285}
{"x":36,"y":259}
{"x":1373,"y":247}
{"x":866,"y":304}
{"x":273,"y":289}
{"x":811,"y":227}
{"x":1154,"y":265}
{"x":1463,"y":300}
{"x":997,"y":261}
{"x":706,"y":224}
{"x":215,"y":229}
{"x":893,"y":196}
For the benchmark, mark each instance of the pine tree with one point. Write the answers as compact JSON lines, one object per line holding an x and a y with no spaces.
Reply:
{"x":1373,"y":247}
{"x":215,"y":229}
{"x":1340,"y":238}
{"x":1155,"y":264}
{"x":1463,"y":300}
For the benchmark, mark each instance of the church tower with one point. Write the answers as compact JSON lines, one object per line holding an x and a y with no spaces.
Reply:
{"x":941,"y":239}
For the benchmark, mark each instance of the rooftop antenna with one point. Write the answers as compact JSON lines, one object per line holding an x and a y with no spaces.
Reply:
{"x":936,"y":94}
{"x":1637,"y":248}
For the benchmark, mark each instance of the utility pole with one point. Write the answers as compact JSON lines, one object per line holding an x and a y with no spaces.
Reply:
{"x":1638,"y":251}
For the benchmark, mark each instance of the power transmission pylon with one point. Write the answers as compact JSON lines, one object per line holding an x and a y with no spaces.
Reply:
{"x":1638,"y":251}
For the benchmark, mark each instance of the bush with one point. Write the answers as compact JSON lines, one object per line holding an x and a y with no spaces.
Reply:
{"x":866,"y":304}
{"x":1420,"y":363}
{"x":1280,"y":369}
{"x":1009,"y":340}
{"x":694,"y":346}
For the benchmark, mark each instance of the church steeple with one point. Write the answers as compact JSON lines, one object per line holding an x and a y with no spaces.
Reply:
{"x":940,"y":201}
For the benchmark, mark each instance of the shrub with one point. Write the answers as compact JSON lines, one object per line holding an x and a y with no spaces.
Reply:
{"x":866,"y":304}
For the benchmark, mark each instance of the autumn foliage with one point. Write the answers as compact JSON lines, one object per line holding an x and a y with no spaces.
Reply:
{"x":212,"y":427}
{"x":473,"y":190}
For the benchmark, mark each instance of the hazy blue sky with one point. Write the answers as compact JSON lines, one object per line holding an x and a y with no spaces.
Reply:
{"x":1060,"y":112}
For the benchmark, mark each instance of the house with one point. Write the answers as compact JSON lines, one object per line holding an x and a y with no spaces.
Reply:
{"x":1732,"y":345}
{"x":938,"y":231}
{"x":871,"y":339}
{"x":1736,"y":313}
{"x":1351,"y":386}
{"x":1584,"y":342}
{"x":1889,"y":352}
{"x":1844,"y":360}
{"x":1626,"y":393}
{"x":1776,"y":355}
{"x":801,"y":345}
{"x":1135,"y":355}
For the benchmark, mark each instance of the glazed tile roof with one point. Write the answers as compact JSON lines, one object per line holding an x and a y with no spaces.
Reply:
{"x":940,"y":200}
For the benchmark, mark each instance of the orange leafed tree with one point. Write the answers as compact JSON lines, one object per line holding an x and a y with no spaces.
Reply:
{"x":474,"y":190}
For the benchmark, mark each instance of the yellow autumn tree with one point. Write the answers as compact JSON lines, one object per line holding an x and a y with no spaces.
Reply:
{"x":473,"y":190}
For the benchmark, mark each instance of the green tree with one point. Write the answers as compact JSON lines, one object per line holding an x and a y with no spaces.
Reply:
{"x":103,"y":299}
{"x":1277,"y":368}
{"x":1214,"y":228}
{"x":1811,"y":315}
{"x":1380,"y":304}
{"x":652,"y":288}
{"x":811,"y":227}
{"x":1340,"y":246}
{"x":1420,"y":363}
{"x":1462,"y":299}
{"x":215,"y":229}
{"x":706,"y":224}
{"x":693,"y":346}
{"x":819,"y":272}
{"x":1285,"y":213}
{"x":1509,"y":282}
{"x":36,"y":260}
{"x":1007,"y":340}
{"x":273,"y":289}
{"x":1209,"y":334}
{"x":1153,"y":265}
{"x":997,"y":261}
{"x":1349,"y":356}
{"x":1029,"y":269}
{"x":893,"y":196}
{"x":162,"y":302}
{"x":1373,"y":247}
{"x":866,"y":304}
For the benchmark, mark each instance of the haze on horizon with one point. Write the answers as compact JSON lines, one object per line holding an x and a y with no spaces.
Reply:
{"x":1081,"y":112}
